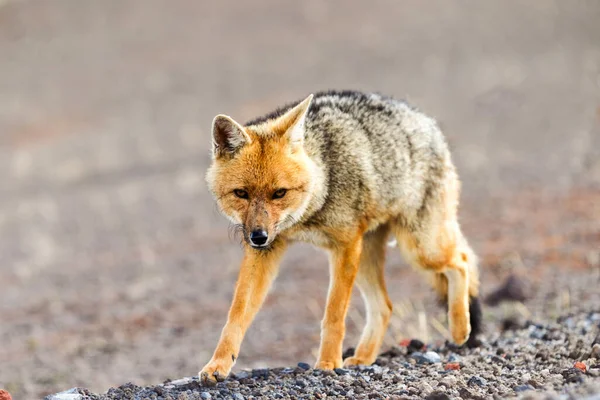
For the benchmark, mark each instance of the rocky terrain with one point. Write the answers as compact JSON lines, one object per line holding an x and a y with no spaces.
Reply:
{"x":553,"y":360}
{"x":116,"y":267}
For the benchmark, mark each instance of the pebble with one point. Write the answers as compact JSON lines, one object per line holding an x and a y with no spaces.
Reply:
{"x":572,"y":375}
{"x":425,"y":388}
{"x":304,"y":366}
{"x":260,"y":373}
{"x":71,"y":394}
{"x":452,"y":367}
{"x":429,"y":357}
{"x":523,"y":388}
{"x":242,"y":375}
{"x":415,"y":345}
{"x":437,"y":396}
{"x":205,"y":396}
{"x":300,"y":383}
{"x":454,"y":358}
{"x":449,"y":381}
{"x":476,"y":380}
{"x":238,"y":396}
{"x":580,"y":366}
{"x":596,"y":351}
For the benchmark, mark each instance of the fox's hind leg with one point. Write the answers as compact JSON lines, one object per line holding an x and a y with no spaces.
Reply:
{"x":435,"y":244}
{"x":371,"y":282}
{"x":452,"y":268}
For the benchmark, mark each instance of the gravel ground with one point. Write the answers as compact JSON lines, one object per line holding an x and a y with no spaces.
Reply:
{"x":553,"y":360}
{"x":114,"y":264}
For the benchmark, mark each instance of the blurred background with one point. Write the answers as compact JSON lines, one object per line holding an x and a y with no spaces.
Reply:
{"x":115,"y":265}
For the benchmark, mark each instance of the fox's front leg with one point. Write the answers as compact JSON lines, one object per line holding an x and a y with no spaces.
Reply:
{"x":257,"y":272}
{"x":344,"y":266}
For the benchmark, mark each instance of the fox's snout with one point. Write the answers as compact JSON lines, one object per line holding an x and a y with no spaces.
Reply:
{"x":258,"y":238}
{"x":258,"y":223}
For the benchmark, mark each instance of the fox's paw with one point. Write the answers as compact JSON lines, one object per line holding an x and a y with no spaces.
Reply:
{"x":328,"y":365}
{"x":356,"y":361}
{"x":213,"y":372}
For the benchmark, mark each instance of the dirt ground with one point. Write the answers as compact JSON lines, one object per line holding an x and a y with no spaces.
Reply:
{"x":115,"y":265}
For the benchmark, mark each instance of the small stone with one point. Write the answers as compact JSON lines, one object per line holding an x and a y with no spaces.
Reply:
{"x":260,"y":373}
{"x":572,"y":375}
{"x":238,"y":396}
{"x":535,"y":384}
{"x":425,"y":388}
{"x":349,"y":352}
{"x":341,"y":371}
{"x":242,"y":375}
{"x":580,"y":366}
{"x":429,"y":357}
{"x":437,"y":395}
{"x":304,"y":366}
{"x":300,"y":383}
{"x":523,"y":388}
{"x":465,"y":393}
{"x":498,"y":360}
{"x":393,"y":352}
{"x":180,"y":382}
{"x":448,"y":381}
{"x":452,"y":367}
{"x":205,"y":396}
{"x":596,"y":351}
{"x":415,"y":345}
{"x":71,"y":394}
{"x":476,"y":380}
{"x":454,"y":358}
{"x":4,"y":395}
{"x":575,"y":354}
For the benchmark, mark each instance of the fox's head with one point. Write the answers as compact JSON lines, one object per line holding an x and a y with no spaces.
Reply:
{"x":260,"y":175}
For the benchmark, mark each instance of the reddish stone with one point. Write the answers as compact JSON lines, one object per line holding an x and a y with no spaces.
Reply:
{"x":4,"y":395}
{"x":452,"y":367}
{"x":580,"y":366}
{"x":404,"y":342}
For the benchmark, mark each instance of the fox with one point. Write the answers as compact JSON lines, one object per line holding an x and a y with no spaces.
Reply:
{"x":344,"y":171}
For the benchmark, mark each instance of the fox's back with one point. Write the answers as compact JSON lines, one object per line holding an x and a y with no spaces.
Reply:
{"x":381,"y":156}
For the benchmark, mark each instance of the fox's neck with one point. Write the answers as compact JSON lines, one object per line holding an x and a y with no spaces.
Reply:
{"x":318,"y":189}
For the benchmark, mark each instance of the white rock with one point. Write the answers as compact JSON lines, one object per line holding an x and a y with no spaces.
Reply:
{"x":71,"y":394}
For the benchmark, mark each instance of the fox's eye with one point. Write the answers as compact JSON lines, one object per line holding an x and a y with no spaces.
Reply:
{"x":279,"y":193}
{"x":241,"y":193}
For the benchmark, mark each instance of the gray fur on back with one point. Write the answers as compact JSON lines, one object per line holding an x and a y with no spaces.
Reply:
{"x":374,"y":150}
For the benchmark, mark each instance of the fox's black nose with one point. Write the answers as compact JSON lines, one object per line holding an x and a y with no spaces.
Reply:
{"x":258,"y":237}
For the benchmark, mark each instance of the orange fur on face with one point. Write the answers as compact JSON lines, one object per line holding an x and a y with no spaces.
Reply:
{"x":262,"y":167}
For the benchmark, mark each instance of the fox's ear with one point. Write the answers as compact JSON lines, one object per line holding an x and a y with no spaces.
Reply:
{"x":228,"y":136}
{"x":292,"y":122}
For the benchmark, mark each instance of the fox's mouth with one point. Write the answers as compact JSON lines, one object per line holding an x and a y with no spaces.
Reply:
{"x":261,"y":247}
